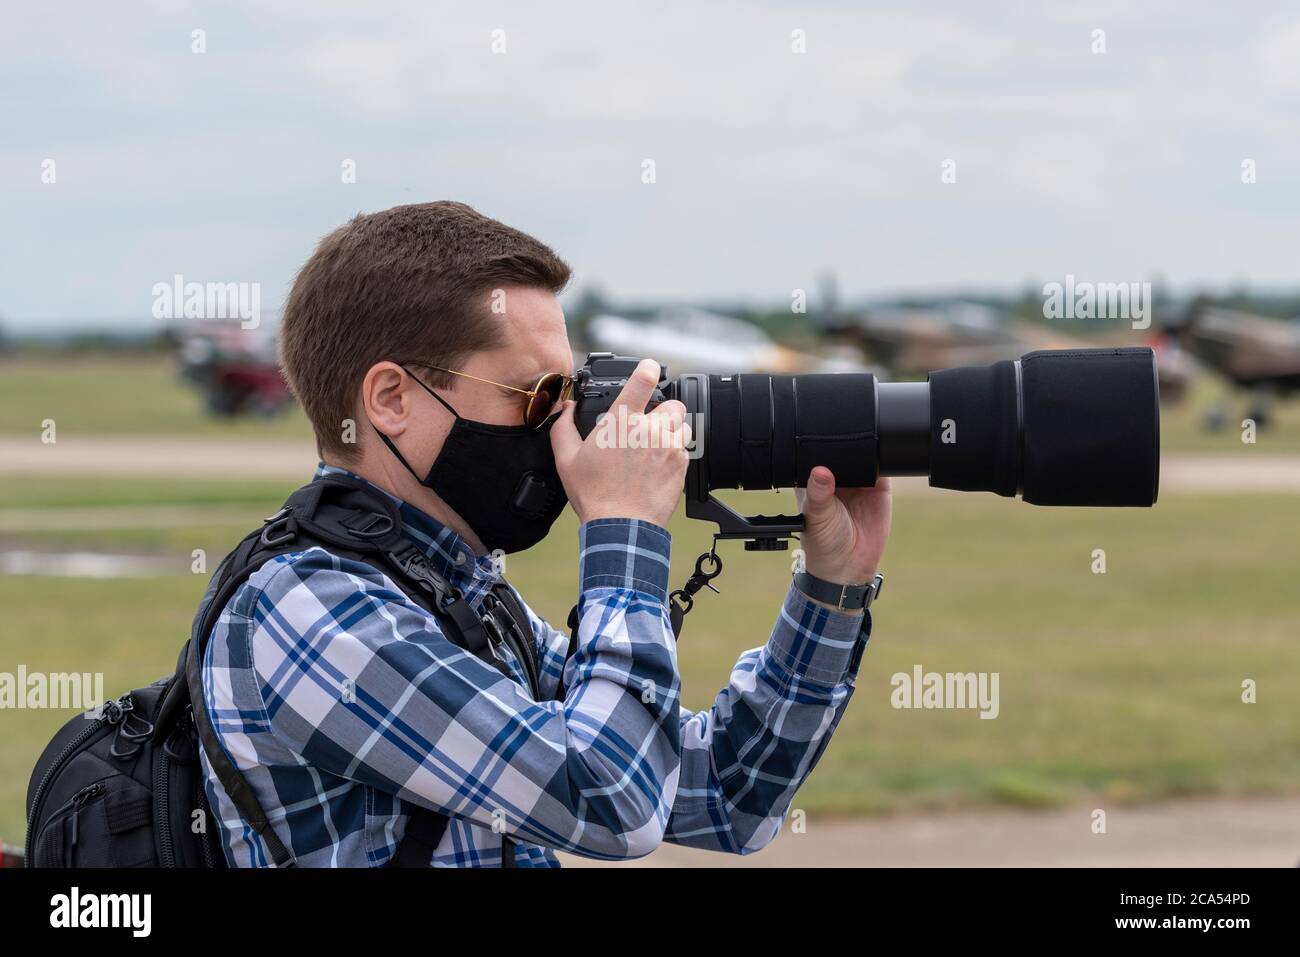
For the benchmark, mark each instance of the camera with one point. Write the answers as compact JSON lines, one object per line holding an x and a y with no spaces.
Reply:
{"x":1056,"y":427}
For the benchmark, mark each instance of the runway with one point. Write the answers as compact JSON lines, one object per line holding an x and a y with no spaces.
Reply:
{"x":1249,"y":471}
{"x":1195,"y":833}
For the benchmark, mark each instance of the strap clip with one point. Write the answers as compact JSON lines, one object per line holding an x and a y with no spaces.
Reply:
{"x":414,"y":565}
{"x":282,"y":519}
{"x":707,"y":567}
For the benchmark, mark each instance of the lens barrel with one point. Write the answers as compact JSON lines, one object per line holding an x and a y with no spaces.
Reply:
{"x":769,"y":431}
{"x":1066,"y":427}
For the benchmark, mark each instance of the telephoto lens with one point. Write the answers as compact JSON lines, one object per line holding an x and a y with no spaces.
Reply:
{"x":1057,"y":427}
{"x":1067,"y":427}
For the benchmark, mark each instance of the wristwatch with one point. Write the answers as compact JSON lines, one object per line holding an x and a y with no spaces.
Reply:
{"x":843,"y":597}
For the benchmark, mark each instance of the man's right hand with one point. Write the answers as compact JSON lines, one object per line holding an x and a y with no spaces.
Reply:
{"x":637,"y":475}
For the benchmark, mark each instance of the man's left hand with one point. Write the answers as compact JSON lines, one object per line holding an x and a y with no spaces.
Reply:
{"x":844,"y":531}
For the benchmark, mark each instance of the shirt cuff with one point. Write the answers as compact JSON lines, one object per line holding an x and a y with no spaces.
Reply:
{"x":624,"y":553}
{"x":814,"y":642}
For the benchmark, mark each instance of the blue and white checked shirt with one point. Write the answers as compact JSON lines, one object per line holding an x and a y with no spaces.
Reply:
{"x":343,"y":704}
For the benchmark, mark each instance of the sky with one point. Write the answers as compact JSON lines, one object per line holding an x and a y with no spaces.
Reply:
{"x":771,"y":167}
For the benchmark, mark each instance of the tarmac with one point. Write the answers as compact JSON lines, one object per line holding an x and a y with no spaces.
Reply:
{"x":1235,"y":832}
{"x":1249,"y":471}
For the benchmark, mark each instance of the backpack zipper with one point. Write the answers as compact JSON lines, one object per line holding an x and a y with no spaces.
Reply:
{"x":201,"y":802}
{"x":80,"y":800}
{"x":74,"y":803}
{"x":38,"y":799}
{"x":162,"y":815}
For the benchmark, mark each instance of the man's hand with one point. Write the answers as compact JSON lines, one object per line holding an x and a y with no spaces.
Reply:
{"x":844,"y":532}
{"x":626,"y":478}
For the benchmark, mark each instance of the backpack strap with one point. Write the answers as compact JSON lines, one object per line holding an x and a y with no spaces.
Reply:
{"x":423,"y":834}
{"x":512,"y":619}
{"x":235,"y":570}
{"x":573,"y":623}
{"x":410,"y":567}
{"x":350,"y":519}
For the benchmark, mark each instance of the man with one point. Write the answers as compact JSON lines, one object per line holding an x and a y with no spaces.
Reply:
{"x":415,"y":340}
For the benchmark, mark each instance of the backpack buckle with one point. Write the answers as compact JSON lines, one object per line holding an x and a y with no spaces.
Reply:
{"x":414,"y":565}
{"x":495,"y":635}
{"x":115,"y":709}
{"x":284,"y":520}
{"x":369,"y":525}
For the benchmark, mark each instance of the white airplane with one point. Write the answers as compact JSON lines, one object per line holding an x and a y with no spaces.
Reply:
{"x":686,"y":339}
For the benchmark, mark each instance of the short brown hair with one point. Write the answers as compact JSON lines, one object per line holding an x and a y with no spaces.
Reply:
{"x":406,"y":284}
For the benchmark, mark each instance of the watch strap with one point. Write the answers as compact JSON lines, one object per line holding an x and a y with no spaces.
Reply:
{"x":842,"y":597}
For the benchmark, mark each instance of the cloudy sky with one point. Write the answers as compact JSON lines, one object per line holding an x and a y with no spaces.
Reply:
{"x":771,"y":166}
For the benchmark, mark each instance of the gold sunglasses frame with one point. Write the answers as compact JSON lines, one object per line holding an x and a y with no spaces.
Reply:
{"x":566,"y":388}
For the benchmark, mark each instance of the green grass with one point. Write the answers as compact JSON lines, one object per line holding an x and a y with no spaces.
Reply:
{"x":67,"y":491}
{"x":144,"y":395}
{"x":1123,"y":686}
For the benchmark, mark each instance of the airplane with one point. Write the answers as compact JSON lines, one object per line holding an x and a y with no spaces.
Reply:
{"x":688,"y":339}
{"x":1254,"y":353}
{"x":235,"y":369}
{"x":912,"y":340}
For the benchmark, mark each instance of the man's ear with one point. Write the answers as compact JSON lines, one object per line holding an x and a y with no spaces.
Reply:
{"x":386,"y":398}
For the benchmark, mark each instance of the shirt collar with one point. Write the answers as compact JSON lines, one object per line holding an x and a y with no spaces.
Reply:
{"x":447,"y":551}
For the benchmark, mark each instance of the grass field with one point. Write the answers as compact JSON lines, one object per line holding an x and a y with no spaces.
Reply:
{"x":1117,"y":687}
{"x":143,"y":396}
{"x":136,"y":395}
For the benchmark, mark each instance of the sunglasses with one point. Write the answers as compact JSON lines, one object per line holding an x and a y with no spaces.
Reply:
{"x":550,"y":391}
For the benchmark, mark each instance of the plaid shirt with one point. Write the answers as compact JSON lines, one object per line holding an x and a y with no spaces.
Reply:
{"x":343,"y":704}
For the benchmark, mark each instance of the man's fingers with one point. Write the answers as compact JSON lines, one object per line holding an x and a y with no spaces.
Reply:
{"x":640,"y":387}
{"x":673,"y":412}
{"x":684,"y":435}
{"x":819,"y":496}
{"x":565,"y":440}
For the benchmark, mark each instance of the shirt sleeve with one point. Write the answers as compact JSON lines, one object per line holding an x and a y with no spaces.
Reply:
{"x":744,"y":758}
{"x":360,"y":681}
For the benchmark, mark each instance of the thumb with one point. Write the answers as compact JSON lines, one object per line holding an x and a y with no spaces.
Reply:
{"x":819,"y":496}
{"x":565,"y":440}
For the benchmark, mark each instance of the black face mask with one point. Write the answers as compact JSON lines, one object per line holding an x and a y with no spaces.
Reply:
{"x":501,"y":479}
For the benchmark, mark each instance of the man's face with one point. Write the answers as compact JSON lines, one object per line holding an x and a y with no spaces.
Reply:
{"x":535,"y":342}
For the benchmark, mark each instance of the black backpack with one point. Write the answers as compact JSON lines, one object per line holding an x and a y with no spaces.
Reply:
{"x":123,"y":786}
